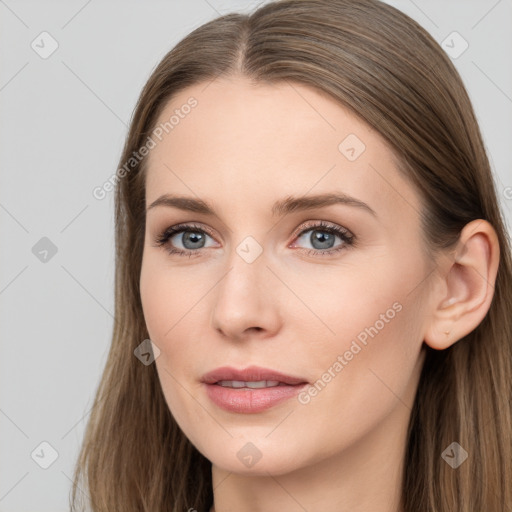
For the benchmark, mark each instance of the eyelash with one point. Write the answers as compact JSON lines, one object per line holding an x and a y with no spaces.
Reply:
{"x":347,"y":238}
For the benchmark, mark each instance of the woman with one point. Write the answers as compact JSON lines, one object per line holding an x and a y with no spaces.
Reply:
{"x":313,"y":278}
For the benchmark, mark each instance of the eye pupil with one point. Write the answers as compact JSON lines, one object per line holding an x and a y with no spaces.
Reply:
{"x":195,"y":239}
{"x":325,"y":239}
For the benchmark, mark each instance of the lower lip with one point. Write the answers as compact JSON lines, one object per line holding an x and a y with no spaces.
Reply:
{"x":245,"y":400}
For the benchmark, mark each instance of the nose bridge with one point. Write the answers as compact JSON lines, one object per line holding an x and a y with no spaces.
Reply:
{"x":244,"y":298}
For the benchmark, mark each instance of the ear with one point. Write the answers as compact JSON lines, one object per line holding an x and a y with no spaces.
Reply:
{"x":467,"y":280}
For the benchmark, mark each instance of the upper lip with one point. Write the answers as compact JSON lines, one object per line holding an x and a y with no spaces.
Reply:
{"x":251,"y":373}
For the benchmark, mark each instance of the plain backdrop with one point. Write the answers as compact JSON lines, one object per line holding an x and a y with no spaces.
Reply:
{"x":63,"y":123}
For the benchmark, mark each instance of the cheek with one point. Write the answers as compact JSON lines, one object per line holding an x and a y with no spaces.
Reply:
{"x":371,"y":359}
{"x":357,"y":384}
{"x":365,"y":314}
{"x":155,"y":297}
{"x":175,"y":303}
{"x":169,"y":296}
{"x":350,"y":301}
{"x":168,"y":307}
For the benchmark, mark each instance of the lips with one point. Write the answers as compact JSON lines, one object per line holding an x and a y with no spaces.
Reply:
{"x":251,"y":390}
{"x":250,"y":374}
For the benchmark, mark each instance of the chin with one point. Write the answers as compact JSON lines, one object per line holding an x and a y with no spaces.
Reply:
{"x":258,"y":457}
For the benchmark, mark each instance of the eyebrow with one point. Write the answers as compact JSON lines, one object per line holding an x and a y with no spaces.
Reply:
{"x":282,"y":207}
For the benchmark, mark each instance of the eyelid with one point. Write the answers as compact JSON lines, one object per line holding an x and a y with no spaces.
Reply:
{"x":188,"y":226}
{"x":320,"y":225}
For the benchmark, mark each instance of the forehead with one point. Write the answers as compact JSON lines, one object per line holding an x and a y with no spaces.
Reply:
{"x":269,"y":140}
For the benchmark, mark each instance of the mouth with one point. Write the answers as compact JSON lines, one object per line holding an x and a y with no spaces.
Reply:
{"x":250,"y":390}
{"x":250,"y":375}
{"x":259,"y":384}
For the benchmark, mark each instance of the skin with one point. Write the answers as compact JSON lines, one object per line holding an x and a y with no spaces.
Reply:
{"x":243,"y":147}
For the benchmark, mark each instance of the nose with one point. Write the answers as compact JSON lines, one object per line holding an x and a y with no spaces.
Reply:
{"x":247,"y":303}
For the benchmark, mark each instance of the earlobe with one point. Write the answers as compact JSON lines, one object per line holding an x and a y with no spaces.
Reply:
{"x":468,"y":279}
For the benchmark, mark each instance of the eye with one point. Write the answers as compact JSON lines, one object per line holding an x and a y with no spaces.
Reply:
{"x":183,"y":239}
{"x":321,"y":237}
{"x":188,"y":239}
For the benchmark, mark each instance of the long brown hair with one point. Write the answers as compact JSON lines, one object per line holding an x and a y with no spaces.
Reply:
{"x":388,"y":70}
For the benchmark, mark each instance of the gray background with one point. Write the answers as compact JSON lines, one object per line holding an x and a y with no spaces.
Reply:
{"x":63,"y":123}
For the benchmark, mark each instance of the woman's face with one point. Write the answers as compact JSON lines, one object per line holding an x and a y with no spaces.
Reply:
{"x":279,"y":274}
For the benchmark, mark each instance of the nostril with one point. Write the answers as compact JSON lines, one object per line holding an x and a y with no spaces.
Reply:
{"x":255,"y":328}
